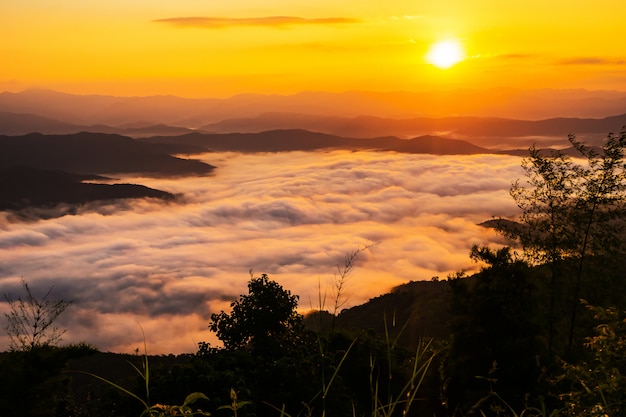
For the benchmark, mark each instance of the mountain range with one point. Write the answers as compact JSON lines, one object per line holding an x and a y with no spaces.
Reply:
{"x":48,"y":131}
{"x":194,"y":113}
{"x":304,"y":140}
{"x":459,"y":127}
{"x":57,"y":159}
{"x":39,"y":170}
{"x":14,"y":124}
{"x":354,"y":115}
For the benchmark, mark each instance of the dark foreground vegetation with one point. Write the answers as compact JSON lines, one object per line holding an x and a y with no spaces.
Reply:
{"x":539,"y":331}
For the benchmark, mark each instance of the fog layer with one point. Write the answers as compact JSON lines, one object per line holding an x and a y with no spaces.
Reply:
{"x":294,"y":216}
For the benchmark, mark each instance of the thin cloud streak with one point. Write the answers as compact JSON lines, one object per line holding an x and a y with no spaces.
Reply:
{"x":268,"y":21}
{"x":591,"y":60}
{"x":292,"y":215}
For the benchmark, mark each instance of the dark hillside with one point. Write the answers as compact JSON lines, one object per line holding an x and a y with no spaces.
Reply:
{"x":23,"y":187}
{"x":418,"y":309}
{"x":96,"y":153}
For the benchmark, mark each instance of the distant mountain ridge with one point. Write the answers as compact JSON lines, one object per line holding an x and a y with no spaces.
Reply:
{"x":350,"y":114}
{"x":14,"y":124}
{"x":194,"y":112}
{"x":466,"y":127}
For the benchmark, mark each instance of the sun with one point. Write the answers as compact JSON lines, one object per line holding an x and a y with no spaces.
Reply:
{"x":445,"y":54}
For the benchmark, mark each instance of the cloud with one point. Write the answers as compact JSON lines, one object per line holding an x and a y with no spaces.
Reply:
{"x":268,"y":21}
{"x":591,"y":60}
{"x":291,"y":215}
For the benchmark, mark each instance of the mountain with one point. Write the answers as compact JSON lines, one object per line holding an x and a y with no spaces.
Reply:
{"x":485,"y":130}
{"x":24,"y":187}
{"x":22,"y":123}
{"x":303,"y":140}
{"x":370,"y":126}
{"x":193,"y":113}
{"x":97,"y":153}
{"x":13,"y":124}
{"x":98,"y":109}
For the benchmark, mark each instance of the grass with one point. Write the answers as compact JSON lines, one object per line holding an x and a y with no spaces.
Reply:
{"x":160,"y":410}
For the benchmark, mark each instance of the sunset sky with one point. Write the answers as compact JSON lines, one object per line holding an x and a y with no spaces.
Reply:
{"x":217,"y":49}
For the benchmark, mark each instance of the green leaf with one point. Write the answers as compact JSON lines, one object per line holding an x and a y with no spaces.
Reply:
{"x":193,"y":397}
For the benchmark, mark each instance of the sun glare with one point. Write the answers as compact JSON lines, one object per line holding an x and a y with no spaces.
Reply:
{"x":445,"y":54}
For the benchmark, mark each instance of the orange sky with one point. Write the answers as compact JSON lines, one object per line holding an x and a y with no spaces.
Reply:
{"x":217,"y":49}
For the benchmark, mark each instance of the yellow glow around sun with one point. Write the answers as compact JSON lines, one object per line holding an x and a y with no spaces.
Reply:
{"x":445,"y":54}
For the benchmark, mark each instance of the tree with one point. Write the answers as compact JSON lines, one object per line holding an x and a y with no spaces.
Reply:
{"x":31,"y":321}
{"x":546,"y":201}
{"x":571,"y":212}
{"x":264,"y":319}
{"x":596,"y":387}
{"x":600,"y":208}
{"x":493,"y":323}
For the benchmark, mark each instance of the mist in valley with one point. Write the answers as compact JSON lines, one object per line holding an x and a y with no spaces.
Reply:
{"x":168,"y":265}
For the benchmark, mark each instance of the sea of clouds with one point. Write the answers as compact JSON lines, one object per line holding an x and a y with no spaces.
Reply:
{"x":295,"y":216}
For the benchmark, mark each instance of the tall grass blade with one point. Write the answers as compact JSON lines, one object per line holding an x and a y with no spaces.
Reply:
{"x":118,"y":387}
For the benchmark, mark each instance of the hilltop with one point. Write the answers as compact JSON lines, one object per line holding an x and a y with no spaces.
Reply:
{"x":304,"y":140}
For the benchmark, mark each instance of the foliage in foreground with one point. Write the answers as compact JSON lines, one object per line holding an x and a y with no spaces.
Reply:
{"x":573,"y":212}
{"x":33,"y":383}
{"x":313,"y":374}
{"x":595,"y":387}
{"x":157,"y":410}
{"x":494,"y":333}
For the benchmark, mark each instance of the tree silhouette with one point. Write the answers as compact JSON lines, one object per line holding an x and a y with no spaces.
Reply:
{"x":31,"y":321}
{"x":494,"y":334}
{"x":263,"y":320}
{"x":596,"y":385}
{"x":570,"y":211}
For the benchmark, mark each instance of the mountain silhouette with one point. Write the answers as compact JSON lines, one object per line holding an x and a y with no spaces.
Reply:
{"x":96,"y":153}
{"x":14,"y":124}
{"x":470,"y":127}
{"x":303,"y":140}
{"x":24,"y":187}
{"x":498,"y":102}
